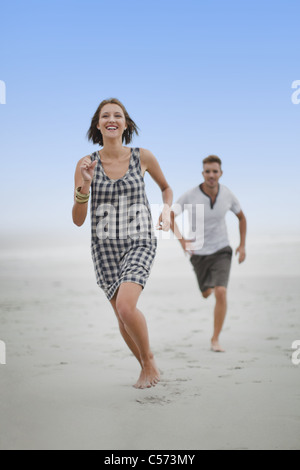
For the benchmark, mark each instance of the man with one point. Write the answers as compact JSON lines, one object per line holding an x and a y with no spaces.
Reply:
{"x":211,"y":255}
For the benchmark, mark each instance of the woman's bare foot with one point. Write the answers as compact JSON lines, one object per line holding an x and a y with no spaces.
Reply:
{"x":150,"y":376}
{"x":216,"y":347}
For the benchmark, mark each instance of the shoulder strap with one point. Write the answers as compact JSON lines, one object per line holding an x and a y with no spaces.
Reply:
{"x":94,"y":156}
{"x":137,"y":159}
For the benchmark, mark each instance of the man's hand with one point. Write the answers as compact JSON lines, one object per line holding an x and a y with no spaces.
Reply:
{"x":242,"y":254}
{"x":187,"y":246}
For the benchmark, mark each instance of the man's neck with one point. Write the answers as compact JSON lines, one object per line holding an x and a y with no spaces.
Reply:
{"x":211,"y":191}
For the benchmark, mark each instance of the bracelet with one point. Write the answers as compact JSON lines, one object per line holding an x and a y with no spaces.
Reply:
{"x":81,"y":198}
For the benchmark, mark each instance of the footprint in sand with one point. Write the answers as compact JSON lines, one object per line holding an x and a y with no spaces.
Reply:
{"x":154,"y":401}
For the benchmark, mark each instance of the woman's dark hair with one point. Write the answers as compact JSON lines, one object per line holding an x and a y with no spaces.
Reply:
{"x":95,"y":135}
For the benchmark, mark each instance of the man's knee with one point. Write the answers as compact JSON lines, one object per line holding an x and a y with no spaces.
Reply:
{"x":221,"y":293}
{"x":207,"y":293}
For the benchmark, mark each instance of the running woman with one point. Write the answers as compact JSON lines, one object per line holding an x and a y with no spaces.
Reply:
{"x":211,"y":257}
{"x":123,"y":239}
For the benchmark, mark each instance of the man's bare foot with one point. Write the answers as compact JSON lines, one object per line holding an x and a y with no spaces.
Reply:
{"x":216,"y":347}
{"x":150,"y":376}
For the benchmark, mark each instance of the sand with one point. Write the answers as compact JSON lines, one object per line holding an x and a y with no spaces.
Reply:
{"x":68,"y":379}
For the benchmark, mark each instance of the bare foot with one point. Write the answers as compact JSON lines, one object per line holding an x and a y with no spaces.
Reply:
{"x":150,"y":376}
{"x":216,"y":347}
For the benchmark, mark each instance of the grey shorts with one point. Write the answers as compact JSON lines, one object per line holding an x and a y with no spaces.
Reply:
{"x":213,"y":270}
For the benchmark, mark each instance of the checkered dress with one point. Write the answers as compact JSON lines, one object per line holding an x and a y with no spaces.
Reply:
{"x":123,"y":239}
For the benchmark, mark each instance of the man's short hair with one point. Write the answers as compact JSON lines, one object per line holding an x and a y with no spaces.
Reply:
{"x":213,"y":159}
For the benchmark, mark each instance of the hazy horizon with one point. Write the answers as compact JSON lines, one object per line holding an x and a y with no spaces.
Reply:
{"x":197,"y":77}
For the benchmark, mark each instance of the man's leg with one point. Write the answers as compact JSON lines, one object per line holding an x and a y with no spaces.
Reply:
{"x":207,"y":293}
{"x":220,"y":315}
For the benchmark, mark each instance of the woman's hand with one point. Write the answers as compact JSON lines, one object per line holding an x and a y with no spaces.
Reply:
{"x":83,"y":179}
{"x":87,"y":169}
{"x":164,"y":222}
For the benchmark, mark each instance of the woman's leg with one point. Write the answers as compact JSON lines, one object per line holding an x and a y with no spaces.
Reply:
{"x":137,"y":337}
{"x":130,"y":343}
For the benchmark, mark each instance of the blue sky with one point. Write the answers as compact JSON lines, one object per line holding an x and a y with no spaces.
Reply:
{"x":198,"y":77}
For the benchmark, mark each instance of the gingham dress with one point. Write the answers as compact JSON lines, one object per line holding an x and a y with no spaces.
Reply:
{"x":123,"y":239}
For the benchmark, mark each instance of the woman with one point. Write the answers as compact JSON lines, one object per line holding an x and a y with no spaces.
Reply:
{"x":123,"y":240}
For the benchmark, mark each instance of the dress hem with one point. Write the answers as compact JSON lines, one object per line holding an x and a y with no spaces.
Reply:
{"x":112,"y":292}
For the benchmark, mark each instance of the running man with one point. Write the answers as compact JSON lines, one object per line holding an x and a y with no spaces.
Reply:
{"x":211,"y":257}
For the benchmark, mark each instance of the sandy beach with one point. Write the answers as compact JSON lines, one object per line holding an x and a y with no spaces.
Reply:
{"x":68,"y":379}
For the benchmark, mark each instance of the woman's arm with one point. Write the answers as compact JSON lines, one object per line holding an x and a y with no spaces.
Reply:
{"x":149,"y":163}
{"x":83,"y":178}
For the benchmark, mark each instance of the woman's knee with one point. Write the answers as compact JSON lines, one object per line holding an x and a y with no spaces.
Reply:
{"x":125,"y":309}
{"x":114,"y":306}
{"x":126,"y":301}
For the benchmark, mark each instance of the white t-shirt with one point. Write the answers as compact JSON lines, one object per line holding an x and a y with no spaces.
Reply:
{"x":207,"y":222}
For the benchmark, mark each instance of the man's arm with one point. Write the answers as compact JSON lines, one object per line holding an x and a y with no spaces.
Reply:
{"x":243,"y":232}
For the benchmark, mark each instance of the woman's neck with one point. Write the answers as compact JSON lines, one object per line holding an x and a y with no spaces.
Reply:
{"x":113,"y":149}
